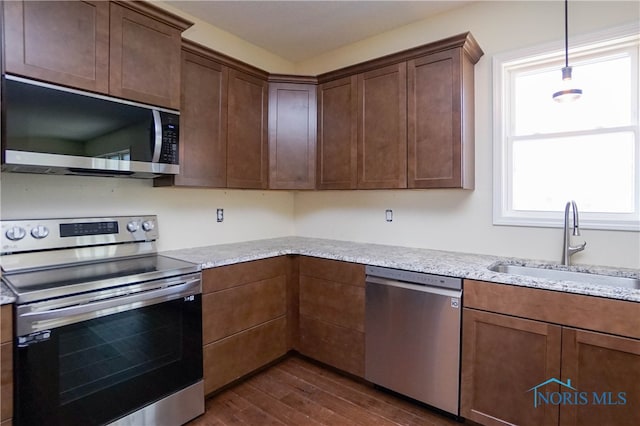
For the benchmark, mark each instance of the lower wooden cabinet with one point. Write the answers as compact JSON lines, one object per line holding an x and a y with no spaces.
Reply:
{"x":606,"y":371}
{"x":331,"y":307}
{"x":230,"y":358}
{"x":503,"y":357}
{"x":6,"y":365}
{"x":543,"y":371}
{"x":244,"y":315}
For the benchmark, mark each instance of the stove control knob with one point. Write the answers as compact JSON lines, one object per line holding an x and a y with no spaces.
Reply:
{"x":40,"y":232}
{"x":133,"y":226}
{"x":16,"y":233}
{"x":148,"y":225}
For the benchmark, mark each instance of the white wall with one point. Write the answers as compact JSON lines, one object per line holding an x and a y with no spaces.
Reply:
{"x":454,"y":219}
{"x":440,"y":219}
{"x":229,"y":44}
{"x":186,"y":216}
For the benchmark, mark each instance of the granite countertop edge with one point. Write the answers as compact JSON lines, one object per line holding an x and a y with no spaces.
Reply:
{"x":455,"y":264}
{"x":460,"y":265}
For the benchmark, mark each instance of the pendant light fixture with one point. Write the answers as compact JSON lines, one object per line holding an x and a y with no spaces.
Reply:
{"x":568,"y":93}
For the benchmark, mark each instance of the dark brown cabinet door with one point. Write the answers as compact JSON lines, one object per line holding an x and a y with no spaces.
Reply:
{"x":6,"y":364}
{"x":440,"y":152}
{"x":292,"y":135}
{"x":337,"y":165}
{"x":144,"y":58}
{"x":64,"y":42}
{"x":331,"y":307}
{"x":244,"y":318}
{"x":247,"y":155}
{"x":203,"y":120}
{"x":502,"y":359}
{"x":382,"y":128}
{"x":605,"y":370}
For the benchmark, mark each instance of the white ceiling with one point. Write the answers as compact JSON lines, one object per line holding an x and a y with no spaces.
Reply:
{"x":302,"y":29}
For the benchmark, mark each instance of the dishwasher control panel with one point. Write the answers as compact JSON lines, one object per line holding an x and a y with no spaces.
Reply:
{"x":414,"y":277}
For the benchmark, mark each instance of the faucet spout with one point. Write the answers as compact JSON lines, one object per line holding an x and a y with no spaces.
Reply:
{"x":567,"y":249}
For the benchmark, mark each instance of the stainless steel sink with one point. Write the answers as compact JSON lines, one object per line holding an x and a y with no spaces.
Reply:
{"x":560,"y":275}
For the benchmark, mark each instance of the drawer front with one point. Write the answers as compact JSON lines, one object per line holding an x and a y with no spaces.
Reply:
{"x":230,"y":359}
{"x":576,"y":310}
{"x":232,"y":310}
{"x":229,"y":276}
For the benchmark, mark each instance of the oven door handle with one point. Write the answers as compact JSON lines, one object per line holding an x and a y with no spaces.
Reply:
{"x":29,"y":322}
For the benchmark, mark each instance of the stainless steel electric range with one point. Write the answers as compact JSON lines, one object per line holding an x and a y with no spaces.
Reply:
{"x":107,"y":331}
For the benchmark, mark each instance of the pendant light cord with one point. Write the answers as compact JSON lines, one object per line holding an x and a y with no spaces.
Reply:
{"x":566,"y":33}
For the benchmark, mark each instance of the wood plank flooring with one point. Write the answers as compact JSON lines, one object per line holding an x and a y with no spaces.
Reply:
{"x":299,"y":392}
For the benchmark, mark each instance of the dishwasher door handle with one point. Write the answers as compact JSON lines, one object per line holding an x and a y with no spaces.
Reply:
{"x":418,"y":287}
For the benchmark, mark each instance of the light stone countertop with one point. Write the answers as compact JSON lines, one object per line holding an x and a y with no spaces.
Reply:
{"x":461,"y":265}
{"x":6,"y":295}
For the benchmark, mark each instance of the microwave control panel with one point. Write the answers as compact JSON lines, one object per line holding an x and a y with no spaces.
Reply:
{"x":170,"y":134}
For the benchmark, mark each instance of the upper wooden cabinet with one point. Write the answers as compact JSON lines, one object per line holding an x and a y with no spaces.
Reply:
{"x":60,"y":42}
{"x":203,"y":122}
{"x":337,"y":155}
{"x":292,"y":135}
{"x":382,"y":128}
{"x":247,"y":149}
{"x":441,"y":120}
{"x":144,"y":57}
{"x":414,"y":119}
{"x":125,"y":49}
{"x":223,"y":140}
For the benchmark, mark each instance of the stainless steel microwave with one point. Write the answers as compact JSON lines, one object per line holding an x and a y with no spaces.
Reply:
{"x":56,"y":130}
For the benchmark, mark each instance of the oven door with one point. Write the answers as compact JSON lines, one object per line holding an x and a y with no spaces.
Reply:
{"x":111,"y":363}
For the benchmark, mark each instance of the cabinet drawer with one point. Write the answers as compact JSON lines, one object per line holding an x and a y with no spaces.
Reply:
{"x":6,"y":364}
{"x":576,"y":310}
{"x":229,"y":276}
{"x":6,"y":381}
{"x":340,"y":347}
{"x":333,"y":270}
{"x":332,"y":302}
{"x":232,"y":310}
{"x":6,"y":327}
{"x":229,"y":359}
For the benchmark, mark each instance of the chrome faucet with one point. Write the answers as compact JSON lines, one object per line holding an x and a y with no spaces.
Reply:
{"x":567,"y":249}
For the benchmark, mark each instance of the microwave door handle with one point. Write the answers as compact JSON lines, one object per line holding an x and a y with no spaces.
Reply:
{"x":157,"y":126}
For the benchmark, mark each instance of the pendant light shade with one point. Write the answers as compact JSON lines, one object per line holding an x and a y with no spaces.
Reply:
{"x":568,"y":93}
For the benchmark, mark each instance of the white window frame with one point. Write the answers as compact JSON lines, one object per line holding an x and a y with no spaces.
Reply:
{"x":503,"y":214}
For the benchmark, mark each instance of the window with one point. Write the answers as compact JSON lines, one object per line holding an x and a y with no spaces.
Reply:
{"x":547,"y":153}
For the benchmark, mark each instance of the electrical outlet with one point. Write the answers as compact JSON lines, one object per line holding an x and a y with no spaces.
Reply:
{"x":219,"y":215}
{"x":388,"y":215}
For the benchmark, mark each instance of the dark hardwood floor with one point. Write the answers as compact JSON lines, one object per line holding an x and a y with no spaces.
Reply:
{"x":299,"y":392}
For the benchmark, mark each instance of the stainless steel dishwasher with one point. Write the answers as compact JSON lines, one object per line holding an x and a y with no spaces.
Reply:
{"x":412,"y":335}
